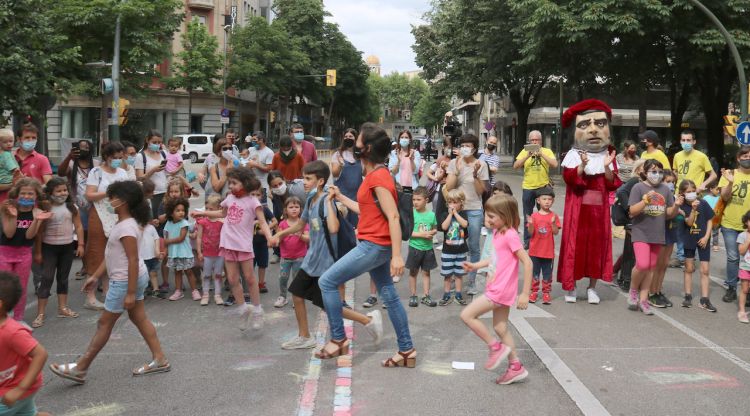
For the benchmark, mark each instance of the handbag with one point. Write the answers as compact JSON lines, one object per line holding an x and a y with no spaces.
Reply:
{"x":718,"y":212}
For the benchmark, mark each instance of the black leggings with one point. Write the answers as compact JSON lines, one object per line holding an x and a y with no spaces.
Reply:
{"x":56,"y":258}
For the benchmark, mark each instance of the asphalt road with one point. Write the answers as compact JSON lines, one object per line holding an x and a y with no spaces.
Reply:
{"x":582,"y":359}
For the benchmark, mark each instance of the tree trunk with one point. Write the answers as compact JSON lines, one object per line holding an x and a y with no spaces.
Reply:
{"x":190,"y":111}
{"x":715,"y":90}
{"x":679,"y":97}
{"x":256,"y":124}
{"x":642,"y":107}
{"x":103,"y":123}
{"x":282,"y":117}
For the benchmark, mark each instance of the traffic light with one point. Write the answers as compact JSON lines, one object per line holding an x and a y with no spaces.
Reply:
{"x":331,"y":78}
{"x":272,"y":116}
{"x":122,"y":118}
{"x":730,"y":124}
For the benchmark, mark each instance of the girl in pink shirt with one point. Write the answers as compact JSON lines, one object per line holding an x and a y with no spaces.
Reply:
{"x":209,"y":234}
{"x":239,"y":210}
{"x":501,"y":214}
{"x":293,"y":247}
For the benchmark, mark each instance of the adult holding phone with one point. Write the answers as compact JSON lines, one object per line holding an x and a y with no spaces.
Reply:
{"x":536,"y":162}
{"x":404,"y":163}
{"x":151,"y":166}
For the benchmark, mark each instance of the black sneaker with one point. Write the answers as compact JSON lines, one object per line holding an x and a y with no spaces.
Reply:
{"x":688,"y":301}
{"x":445,"y":300}
{"x":229,"y":301}
{"x":665,"y":300}
{"x":427,"y":300}
{"x":413,"y":301}
{"x":706,"y":304}
{"x":730,"y":296}
{"x":247,"y":299}
{"x":370,"y":302}
{"x":655,"y":301}
{"x":345,"y":305}
{"x":460,"y":299}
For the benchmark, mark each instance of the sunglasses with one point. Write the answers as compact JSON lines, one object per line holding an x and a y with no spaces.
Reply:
{"x":226,"y":148}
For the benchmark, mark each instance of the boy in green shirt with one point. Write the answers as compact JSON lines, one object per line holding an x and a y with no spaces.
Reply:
{"x":421,"y":255}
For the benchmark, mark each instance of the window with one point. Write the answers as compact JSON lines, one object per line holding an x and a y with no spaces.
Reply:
{"x":196,"y":124}
{"x":197,"y":140}
{"x":200,"y":18}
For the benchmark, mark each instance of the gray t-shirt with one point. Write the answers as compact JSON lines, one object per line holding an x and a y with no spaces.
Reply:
{"x":744,"y":264}
{"x":318,"y":258}
{"x":649,"y":226}
{"x":466,"y":182}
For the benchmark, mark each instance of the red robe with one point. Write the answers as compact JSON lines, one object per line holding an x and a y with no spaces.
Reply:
{"x":586,"y":245}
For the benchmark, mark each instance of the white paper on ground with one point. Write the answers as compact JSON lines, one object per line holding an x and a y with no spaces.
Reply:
{"x":462,"y":365}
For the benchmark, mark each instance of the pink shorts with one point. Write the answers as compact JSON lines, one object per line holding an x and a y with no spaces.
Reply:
{"x":236,"y":255}
{"x":744,"y":274}
{"x":646,"y":255}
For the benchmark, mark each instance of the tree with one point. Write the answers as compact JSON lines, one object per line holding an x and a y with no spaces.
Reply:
{"x":397,"y":92}
{"x":430,"y":111}
{"x":198,"y":64}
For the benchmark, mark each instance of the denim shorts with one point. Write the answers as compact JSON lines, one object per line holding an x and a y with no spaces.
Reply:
{"x":115,"y":300}
{"x":152,"y":265}
{"x":25,"y":407}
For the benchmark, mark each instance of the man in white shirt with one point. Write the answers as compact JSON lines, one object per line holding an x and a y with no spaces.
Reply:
{"x":261,"y":157}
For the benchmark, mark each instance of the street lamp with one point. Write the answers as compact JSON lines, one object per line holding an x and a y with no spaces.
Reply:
{"x":227,"y":29}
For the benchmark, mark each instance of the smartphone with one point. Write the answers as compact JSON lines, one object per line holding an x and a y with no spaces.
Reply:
{"x":163,"y":163}
{"x":75,"y":146}
{"x":531,"y":148}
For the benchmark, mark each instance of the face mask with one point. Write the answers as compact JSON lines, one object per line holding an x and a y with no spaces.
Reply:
{"x":691,"y":196}
{"x":643,"y":145}
{"x":404,"y":142}
{"x":299,"y":136}
{"x":255,"y":145}
{"x":58,"y":200}
{"x":447,"y":151}
{"x":227,"y":154}
{"x":745,"y":164}
{"x":239,"y":194}
{"x":654,"y":178}
{"x":670,"y":185}
{"x":28,"y":145}
{"x":111,"y":208}
{"x":348,"y":143}
{"x":84,"y":154}
{"x":466,"y":151}
{"x":130,"y":160}
{"x":281,"y":190}
{"x":25,"y":202}
{"x":286,"y":152}
{"x":687,"y":146}
{"x":491,"y":147}
{"x":312,"y":192}
{"x":154,"y":147}
{"x":115,"y":163}
{"x":358,"y":152}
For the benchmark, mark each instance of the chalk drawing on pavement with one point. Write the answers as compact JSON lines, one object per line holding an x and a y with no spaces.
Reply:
{"x":689,"y":378}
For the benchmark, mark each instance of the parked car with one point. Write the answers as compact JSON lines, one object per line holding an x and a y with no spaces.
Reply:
{"x":196,"y":146}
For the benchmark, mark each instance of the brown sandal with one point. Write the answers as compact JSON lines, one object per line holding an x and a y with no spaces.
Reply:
{"x":38,"y":321}
{"x":406,"y":359}
{"x":66,"y":312}
{"x":342,"y":349}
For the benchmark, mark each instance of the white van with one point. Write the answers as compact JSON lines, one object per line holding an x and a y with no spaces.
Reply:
{"x":196,"y":146}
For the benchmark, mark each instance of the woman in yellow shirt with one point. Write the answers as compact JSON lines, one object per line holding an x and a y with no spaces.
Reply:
{"x":650,"y":142}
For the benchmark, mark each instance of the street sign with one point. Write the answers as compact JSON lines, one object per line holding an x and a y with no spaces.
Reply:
{"x":224,"y":112}
{"x":225,"y":120}
{"x":743,"y":132}
{"x":233,"y":13}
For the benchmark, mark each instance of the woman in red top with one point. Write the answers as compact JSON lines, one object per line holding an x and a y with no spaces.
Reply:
{"x":378,"y":251}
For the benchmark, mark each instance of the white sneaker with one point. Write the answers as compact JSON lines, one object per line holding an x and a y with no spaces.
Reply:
{"x":245,"y":317}
{"x":375,"y":327}
{"x":440,"y":247}
{"x":396,"y":279}
{"x":299,"y":343}
{"x":257,"y":320}
{"x":570,"y":297}
{"x":593,"y":296}
{"x":484,"y":231}
{"x":280,"y":302}
{"x":274,"y":259}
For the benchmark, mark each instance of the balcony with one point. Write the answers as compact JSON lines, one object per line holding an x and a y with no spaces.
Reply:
{"x":201,"y":4}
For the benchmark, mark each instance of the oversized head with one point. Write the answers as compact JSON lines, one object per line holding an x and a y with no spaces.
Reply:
{"x":591,"y":120}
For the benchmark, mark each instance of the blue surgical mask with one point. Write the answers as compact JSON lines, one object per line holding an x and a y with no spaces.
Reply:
{"x":115,"y":163}
{"x":130,"y":160}
{"x":299,"y":136}
{"x":687,"y":146}
{"x":25,"y":202}
{"x":670,"y":185}
{"x":28,"y":145}
{"x":404,"y":142}
{"x":154,"y":147}
{"x":312,"y":192}
{"x":110,"y":208}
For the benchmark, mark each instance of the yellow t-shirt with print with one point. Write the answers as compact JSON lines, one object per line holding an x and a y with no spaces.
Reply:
{"x":693,"y":165}
{"x":658,"y":155}
{"x":535,"y":169}
{"x":740,"y":202}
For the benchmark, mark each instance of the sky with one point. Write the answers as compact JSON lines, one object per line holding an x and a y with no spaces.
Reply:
{"x":381,"y":28}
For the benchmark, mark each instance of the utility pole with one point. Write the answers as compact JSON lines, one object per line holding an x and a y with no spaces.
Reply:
{"x":115,"y":120}
{"x":224,"y":75}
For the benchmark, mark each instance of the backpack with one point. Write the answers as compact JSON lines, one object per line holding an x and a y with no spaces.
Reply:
{"x":143,"y":153}
{"x":346,"y":237}
{"x":405,"y":210}
{"x":620,"y":209}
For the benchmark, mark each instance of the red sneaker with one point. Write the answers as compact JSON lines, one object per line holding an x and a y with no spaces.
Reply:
{"x":546,"y":298}
{"x":513,"y":375}
{"x":262,"y":287}
{"x":533,"y":297}
{"x":496,"y":357}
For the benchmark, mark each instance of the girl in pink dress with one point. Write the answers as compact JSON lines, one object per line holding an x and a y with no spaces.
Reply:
{"x":501,"y":214}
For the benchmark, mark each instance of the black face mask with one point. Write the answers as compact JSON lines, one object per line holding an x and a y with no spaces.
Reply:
{"x":644,"y":145}
{"x":491,"y":147}
{"x":348,"y":143}
{"x":83,"y":154}
{"x":359,"y":152}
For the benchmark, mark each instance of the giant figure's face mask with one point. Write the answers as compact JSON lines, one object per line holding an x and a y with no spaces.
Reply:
{"x":592,"y":131}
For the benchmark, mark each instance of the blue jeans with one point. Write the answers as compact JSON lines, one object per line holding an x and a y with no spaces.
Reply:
{"x":733,"y":255}
{"x":680,"y":245}
{"x":366,"y":256}
{"x":476,"y":220}
{"x":25,"y":407}
{"x":529,"y":201}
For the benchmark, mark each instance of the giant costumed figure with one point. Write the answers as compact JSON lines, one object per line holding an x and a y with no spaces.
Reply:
{"x":590,"y":173}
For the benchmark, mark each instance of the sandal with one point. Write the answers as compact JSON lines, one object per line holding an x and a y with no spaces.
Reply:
{"x":69,"y":372}
{"x":66,"y":312}
{"x":152,"y":367}
{"x":38,"y":322}
{"x":81,"y":275}
{"x":406,"y":359}
{"x":342,"y":349}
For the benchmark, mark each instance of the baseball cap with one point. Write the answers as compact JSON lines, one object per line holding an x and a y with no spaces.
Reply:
{"x":649,"y":135}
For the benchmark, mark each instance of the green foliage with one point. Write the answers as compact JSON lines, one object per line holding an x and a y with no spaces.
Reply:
{"x":198,"y":65}
{"x":430,"y":111}
{"x":398,"y":92}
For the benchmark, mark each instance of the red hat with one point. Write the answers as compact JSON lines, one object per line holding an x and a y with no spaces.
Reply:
{"x":581,"y":107}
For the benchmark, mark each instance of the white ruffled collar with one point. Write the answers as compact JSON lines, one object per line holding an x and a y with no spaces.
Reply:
{"x":595,"y":166}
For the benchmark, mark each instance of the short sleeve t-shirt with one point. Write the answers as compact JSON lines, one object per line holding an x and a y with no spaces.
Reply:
{"x":181,"y":250}
{"x":693,"y":165}
{"x":740,"y":202}
{"x":423,"y":221}
{"x":210,"y":237}
{"x":535,"y":169}
{"x":292,"y":246}
{"x":16,"y":343}
{"x":264,"y":157}
{"x":712,"y":200}
{"x":504,"y":287}
{"x":658,"y":155}
{"x":318,"y":258}
{"x":691,"y":235}
{"x":455,"y":237}
{"x":373,"y":226}
{"x":466,"y":182}
{"x":147,"y":249}
{"x":237,"y":232}
{"x":174,"y":162}
{"x":744,"y":260}
{"x":114,"y":255}
{"x":159,"y":178}
{"x":257,"y":233}
{"x":36,"y":165}
{"x":649,"y":226}
{"x":290,"y":171}
{"x":542,"y":244}
{"x":102,"y":179}
{"x":7,"y":165}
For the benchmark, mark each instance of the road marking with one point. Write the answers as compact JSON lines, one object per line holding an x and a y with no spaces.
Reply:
{"x":306,"y":403}
{"x":342,"y":398}
{"x":566,"y":378}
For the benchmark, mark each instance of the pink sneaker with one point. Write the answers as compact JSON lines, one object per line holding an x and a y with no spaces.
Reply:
{"x":513,"y":375}
{"x":177,"y":295}
{"x":196,"y":295}
{"x":633,"y":300}
{"x":496,"y":357}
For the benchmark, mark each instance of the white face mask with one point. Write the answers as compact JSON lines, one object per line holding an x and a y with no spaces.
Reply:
{"x":691,"y":196}
{"x":654,"y":178}
{"x":281,"y":190}
{"x":227,"y":154}
{"x":467,"y":151}
{"x":286,"y":152}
